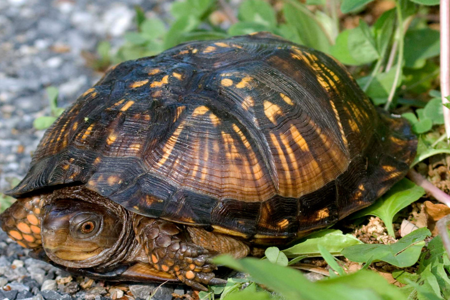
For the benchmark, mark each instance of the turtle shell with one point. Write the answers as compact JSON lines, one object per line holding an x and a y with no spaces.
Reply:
{"x":252,"y":136}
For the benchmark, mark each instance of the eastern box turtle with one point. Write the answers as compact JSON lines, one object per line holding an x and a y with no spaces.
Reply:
{"x":210,"y":147}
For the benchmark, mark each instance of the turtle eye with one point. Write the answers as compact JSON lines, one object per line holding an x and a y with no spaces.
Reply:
{"x":86,"y":225}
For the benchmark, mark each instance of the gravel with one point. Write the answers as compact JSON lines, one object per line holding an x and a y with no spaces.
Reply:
{"x":42,"y":43}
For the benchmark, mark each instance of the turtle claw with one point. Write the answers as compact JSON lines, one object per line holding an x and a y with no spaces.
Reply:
{"x":217,"y":281}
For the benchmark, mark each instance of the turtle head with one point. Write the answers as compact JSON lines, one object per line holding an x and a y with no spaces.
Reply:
{"x":22,"y":221}
{"x":75,"y":232}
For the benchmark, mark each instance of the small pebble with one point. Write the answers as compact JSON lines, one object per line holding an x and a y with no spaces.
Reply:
{"x":51,"y":295}
{"x":141,"y":291}
{"x":49,"y":285}
{"x":18,"y":286}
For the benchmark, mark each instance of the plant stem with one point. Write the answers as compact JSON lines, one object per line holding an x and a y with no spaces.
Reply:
{"x":400,"y":55}
{"x":440,"y":139}
{"x":429,"y":187}
{"x":391,"y":56}
{"x":374,"y":73}
{"x":228,"y":11}
{"x":445,"y":60}
{"x":442,"y":228}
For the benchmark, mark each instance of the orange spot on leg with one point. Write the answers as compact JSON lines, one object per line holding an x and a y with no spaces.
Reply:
{"x":24,"y":227}
{"x":190,"y":275}
{"x":154,"y":259}
{"x":35,"y":229}
{"x":29,"y":238}
{"x":32,"y":219}
{"x":15,"y":235}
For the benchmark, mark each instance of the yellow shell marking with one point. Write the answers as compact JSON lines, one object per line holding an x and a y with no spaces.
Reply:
{"x":226,"y":82}
{"x":178,"y":112}
{"x":153,"y":72}
{"x":341,"y":128}
{"x":201,"y":110}
{"x":271,"y":111}
{"x":245,"y":82}
{"x":118,"y":103}
{"x":177,"y":75}
{"x":322,"y":214}
{"x":88,"y":92}
{"x":214,"y":119}
{"x":283,"y":223}
{"x":127,"y":105}
{"x":286,"y":99}
{"x":113,"y":179}
{"x":170,"y":144}
{"x":138,"y":83}
{"x":248,"y":102}
{"x":87,"y":132}
{"x":220,"y":44}
{"x":209,"y":49}
{"x":163,"y":81}
{"x":111,"y":138}
{"x":297,"y":53}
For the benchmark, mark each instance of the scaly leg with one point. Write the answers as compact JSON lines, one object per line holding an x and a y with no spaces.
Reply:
{"x":183,"y":253}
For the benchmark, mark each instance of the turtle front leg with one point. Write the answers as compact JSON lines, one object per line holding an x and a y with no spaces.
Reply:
{"x":171,"y":249}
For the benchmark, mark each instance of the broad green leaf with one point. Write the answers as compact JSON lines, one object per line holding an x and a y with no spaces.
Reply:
{"x":383,"y":29}
{"x":293,"y":285}
{"x":316,"y":2}
{"x":422,"y":126}
{"x":420,"y":80}
{"x":274,"y":255}
{"x":429,"y":285}
{"x":434,"y":252}
{"x":428,"y":153}
{"x":181,"y":26}
{"x":140,"y":16}
{"x":153,"y":28}
{"x":402,"y":194}
{"x":43,"y":122}
{"x":404,"y":253}
{"x":203,"y":35}
{"x":435,"y":94}
{"x":420,"y":44}
{"x":241,"y":28}
{"x":332,"y":240}
{"x":433,"y":110}
{"x":5,"y":202}
{"x":190,"y":8}
{"x":52,"y":93}
{"x":411,"y":117}
{"x":245,"y":294}
{"x":427,"y":2}
{"x":257,"y":11}
{"x":288,"y":32}
{"x":103,"y":50}
{"x":380,"y":86}
{"x":348,"y":6}
{"x":309,"y":30}
{"x":361,"y":44}
{"x":135,"y":38}
{"x":331,"y":261}
{"x":340,"y":49}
